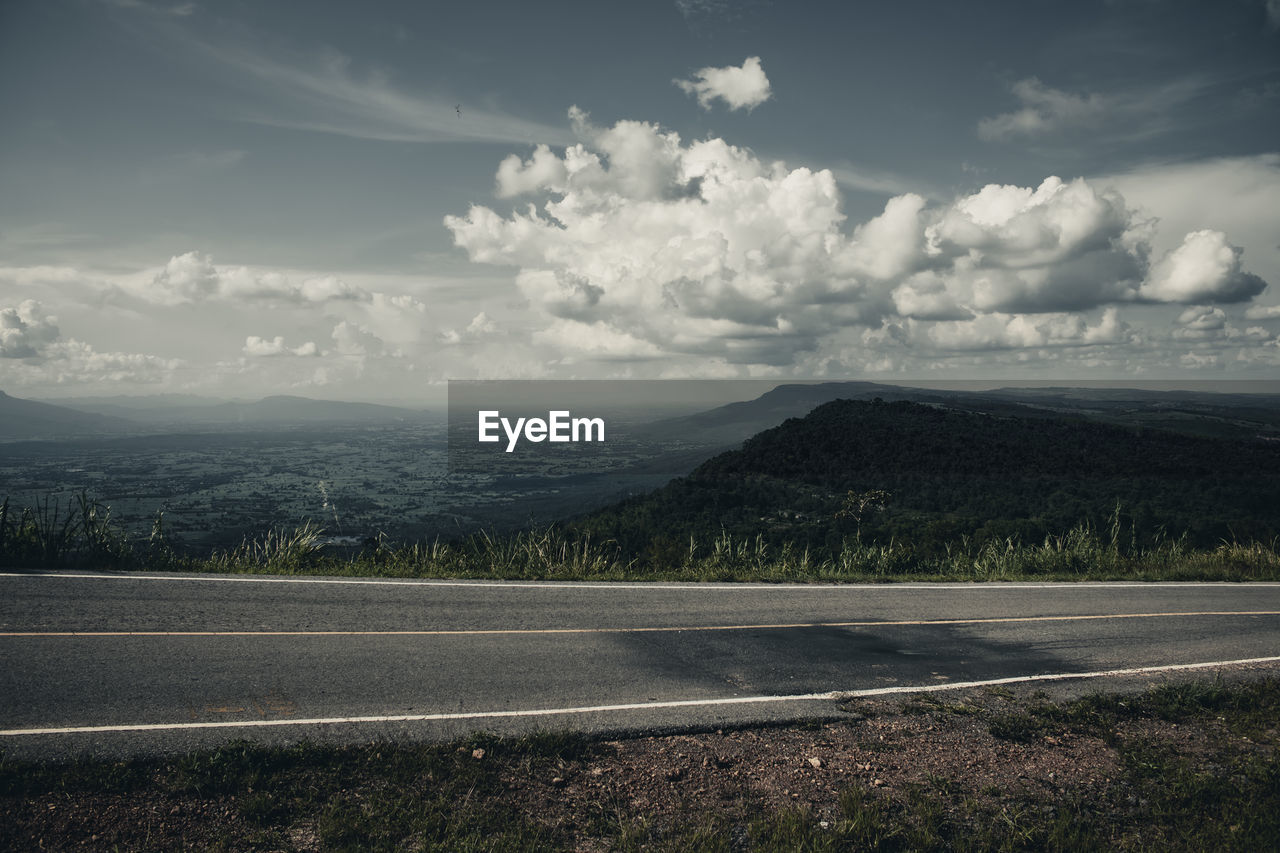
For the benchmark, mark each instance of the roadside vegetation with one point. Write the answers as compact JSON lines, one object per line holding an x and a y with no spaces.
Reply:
{"x":80,"y":534}
{"x":1185,"y":767}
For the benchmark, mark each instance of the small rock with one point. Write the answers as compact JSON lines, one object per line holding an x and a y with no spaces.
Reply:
{"x":816,"y":762}
{"x":825,"y":824}
{"x":477,"y":754}
{"x":597,"y":771}
{"x":877,"y":783}
{"x":558,"y":781}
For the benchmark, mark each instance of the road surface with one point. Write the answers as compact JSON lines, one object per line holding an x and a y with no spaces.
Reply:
{"x":128,"y":664}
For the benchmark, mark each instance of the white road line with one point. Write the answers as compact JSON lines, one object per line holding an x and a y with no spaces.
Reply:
{"x":640,"y":629}
{"x":635,"y":706}
{"x":692,"y":585}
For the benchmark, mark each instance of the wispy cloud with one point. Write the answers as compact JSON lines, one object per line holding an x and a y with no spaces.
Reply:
{"x":192,"y":163}
{"x":705,"y":17}
{"x":1134,"y":114}
{"x":322,"y":93}
{"x":178,"y":10}
{"x":874,"y":181}
{"x":1044,"y":110}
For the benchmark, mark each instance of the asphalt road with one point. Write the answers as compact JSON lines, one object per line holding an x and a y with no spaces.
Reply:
{"x":129,"y":664}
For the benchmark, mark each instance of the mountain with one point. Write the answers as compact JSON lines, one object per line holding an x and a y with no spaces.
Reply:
{"x":136,"y":407}
{"x":21,"y":419}
{"x":286,"y":409}
{"x":1193,"y":412}
{"x":1012,"y":471}
{"x":1217,"y":413}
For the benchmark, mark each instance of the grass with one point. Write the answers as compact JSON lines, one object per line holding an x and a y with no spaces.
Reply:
{"x":82,"y":535}
{"x":1224,"y":795}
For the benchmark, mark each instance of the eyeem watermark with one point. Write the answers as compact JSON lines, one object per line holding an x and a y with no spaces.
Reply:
{"x":559,"y":426}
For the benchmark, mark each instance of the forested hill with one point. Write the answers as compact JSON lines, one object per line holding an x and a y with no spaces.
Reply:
{"x":951,"y":473}
{"x":850,"y":441}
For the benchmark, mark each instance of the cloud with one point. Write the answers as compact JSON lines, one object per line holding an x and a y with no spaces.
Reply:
{"x":321,"y":93}
{"x":178,"y":10}
{"x":1044,"y":110}
{"x":873,"y":181}
{"x":516,"y":176}
{"x":76,"y":362}
{"x":186,"y":278}
{"x":351,"y":339}
{"x":704,"y":16}
{"x":192,"y":277}
{"x":1273,"y":14}
{"x":1009,"y":331}
{"x":1123,"y":115}
{"x":739,"y":87}
{"x":33,"y":353}
{"x":188,"y":163}
{"x":1263,"y":312}
{"x":479,"y":328}
{"x":25,"y":330}
{"x":256,"y":347}
{"x":1202,"y":318}
{"x":1205,"y":268}
{"x":695,"y":8}
{"x":646,"y":245}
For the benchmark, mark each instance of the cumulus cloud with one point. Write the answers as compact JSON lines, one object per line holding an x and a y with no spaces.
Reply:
{"x":738,"y":86}
{"x":1018,"y":331}
{"x":543,"y":169}
{"x":1201,"y":317}
{"x":648,"y":245}
{"x":186,"y":278}
{"x":480,"y":327}
{"x":256,"y":347}
{"x":25,"y":330}
{"x":351,"y":339}
{"x":34,"y":353}
{"x":192,"y":277}
{"x":1262,"y":312}
{"x":1205,"y":268}
{"x":76,"y":362}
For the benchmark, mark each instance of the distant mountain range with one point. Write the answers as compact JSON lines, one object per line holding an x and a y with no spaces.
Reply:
{"x":29,"y":419}
{"x":1191,"y":412}
{"x":112,"y":415}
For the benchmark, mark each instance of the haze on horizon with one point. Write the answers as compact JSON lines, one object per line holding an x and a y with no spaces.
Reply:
{"x":342,"y":203}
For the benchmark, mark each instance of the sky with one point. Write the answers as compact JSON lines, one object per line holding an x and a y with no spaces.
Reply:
{"x":362,"y":201}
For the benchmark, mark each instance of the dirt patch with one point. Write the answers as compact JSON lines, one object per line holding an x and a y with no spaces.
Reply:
{"x":969,"y":754}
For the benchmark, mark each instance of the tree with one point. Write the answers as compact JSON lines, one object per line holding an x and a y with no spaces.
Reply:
{"x":858,"y":505}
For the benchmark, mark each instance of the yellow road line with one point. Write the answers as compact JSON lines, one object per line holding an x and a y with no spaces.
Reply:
{"x":469,"y":632}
